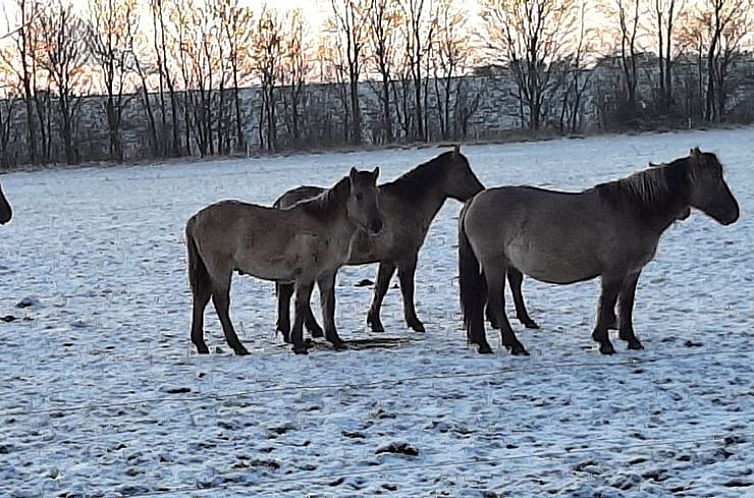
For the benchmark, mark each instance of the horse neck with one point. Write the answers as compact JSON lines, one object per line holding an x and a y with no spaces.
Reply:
{"x":422,"y":188}
{"x":330,"y":205}
{"x":660,"y":194}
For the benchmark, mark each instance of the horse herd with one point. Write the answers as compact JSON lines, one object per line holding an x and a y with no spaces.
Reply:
{"x":609,"y":231}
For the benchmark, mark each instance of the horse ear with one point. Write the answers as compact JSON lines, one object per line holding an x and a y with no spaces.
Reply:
{"x":376,"y":173}
{"x":654,"y":165}
{"x":352,"y":173}
{"x":695,"y":152}
{"x":456,"y":149}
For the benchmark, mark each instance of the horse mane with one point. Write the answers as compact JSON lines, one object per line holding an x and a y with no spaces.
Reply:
{"x":413,"y":181}
{"x":656,"y":190}
{"x":327,"y":204}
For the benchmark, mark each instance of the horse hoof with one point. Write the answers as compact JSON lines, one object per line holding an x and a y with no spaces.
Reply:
{"x":635,"y":345}
{"x":607,"y":348}
{"x":241,"y":351}
{"x":530,"y":324}
{"x":300,"y":349}
{"x":484,"y":349}
{"x":339,"y":346}
{"x":377,"y":327}
{"x":518,"y":350}
{"x":202,"y":350}
{"x":417,"y":327}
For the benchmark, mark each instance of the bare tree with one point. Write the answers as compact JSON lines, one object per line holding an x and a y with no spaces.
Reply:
{"x":729,"y":21}
{"x":384,"y":19}
{"x":237,"y":22}
{"x":579,"y":76}
{"x":267,"y":57}
{"x":296,"y":66}
{"x":628,"y":14}
{"x":530,"y":37}
{"x":7,"y":105}
{"x":24,"y":42}
{"x":350,"y":26}
{"x":63,"y":57}
{"x":452,"y":53}
{"x":665,"y":15}
{"x":140,"y":65}
{"x":418,"y":34}
{"x":110,"y":31}
{"x":160,"y":43}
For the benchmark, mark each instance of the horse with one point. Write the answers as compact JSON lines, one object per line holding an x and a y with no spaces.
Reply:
{"x":609,"y":231}
{"x":515,"y":279}
{"x":409,"y":205}
{"x":304,"y":244}
{"x":6,"y":213}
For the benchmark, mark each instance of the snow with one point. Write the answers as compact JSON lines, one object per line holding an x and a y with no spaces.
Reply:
{"x":102,"y":394}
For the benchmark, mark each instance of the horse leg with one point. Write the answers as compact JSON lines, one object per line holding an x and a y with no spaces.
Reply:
{"x":303,"y":295}
{"x":284,"y":292}
{"x":327,"y":300}
{"x":221,"y":300}
{"x":384,"y":274}
{"x":406,"y":273}
{"x":201,"y":298}
{"x":626,"y":308}
{"x":311,"y":323}
{"x":488,"y":311}
{"x":496,"y":305}
{"x":516,"y":279}
{"x":610,"y":289}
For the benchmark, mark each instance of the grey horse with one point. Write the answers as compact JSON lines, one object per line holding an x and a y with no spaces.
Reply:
{"x":609,"y":231}
{"x":409,"y":205}
{"x":301,"y":245}
{"x":6,"y":213}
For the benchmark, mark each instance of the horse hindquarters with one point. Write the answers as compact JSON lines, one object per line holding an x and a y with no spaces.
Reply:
{"x":209,"y":283}
{"x":472,"y":290}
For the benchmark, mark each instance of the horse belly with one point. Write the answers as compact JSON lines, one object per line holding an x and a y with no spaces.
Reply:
{"x":554,"y":264}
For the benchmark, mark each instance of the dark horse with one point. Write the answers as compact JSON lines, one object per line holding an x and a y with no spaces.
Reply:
{"x":301,"y":245}
{"x":6,"y":213}
{"x":609,"y":231}
{"x":409,"y":204}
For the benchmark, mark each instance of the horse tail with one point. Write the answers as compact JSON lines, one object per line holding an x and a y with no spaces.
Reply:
{"x":472,"y":284}
{"x":197,"y":271}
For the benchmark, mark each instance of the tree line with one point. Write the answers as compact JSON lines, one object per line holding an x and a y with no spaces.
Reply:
{"x":184,"y":64}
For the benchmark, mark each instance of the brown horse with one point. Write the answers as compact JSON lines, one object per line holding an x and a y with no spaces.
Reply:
{"x":409,"y":205}
{"x":6,"y":213}
{"x":609,"y":231}
{"x":301,"y":245}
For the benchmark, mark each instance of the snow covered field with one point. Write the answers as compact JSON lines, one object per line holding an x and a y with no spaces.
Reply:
{"x":102,"y":394}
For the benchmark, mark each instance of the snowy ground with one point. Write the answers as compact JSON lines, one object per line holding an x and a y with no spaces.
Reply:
{"x":102,"y":394}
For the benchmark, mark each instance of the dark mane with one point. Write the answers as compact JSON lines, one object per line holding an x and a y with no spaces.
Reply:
{"x":327,"y":204}
{"x":655,"y":192}
{"x":414,"y":181}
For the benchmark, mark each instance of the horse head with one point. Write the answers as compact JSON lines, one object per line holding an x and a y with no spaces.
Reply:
{"x":6,"y":213}
{"x":460,"y":181}
{"x":708,"y":191}
{"x":363,"y":203}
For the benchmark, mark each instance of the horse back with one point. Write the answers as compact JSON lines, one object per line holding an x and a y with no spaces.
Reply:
{"x":269,"y":243}
{"x":295,"y":195}
{"x":553,"y":236}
